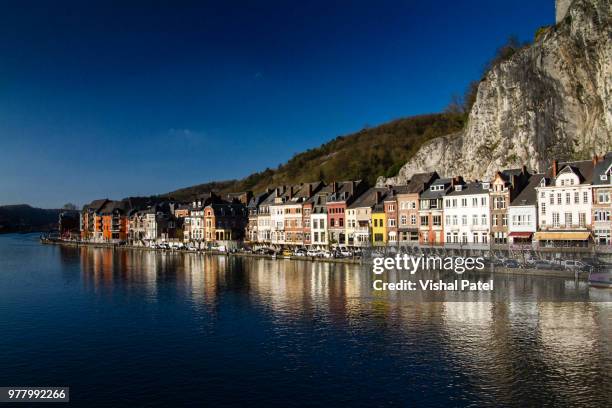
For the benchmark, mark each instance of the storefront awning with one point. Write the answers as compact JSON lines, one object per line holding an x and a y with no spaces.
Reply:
{"x":520,"y":234}
{"x":563,"y":236}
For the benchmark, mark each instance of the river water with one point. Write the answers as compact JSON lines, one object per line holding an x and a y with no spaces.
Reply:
{"x":138,"y":328}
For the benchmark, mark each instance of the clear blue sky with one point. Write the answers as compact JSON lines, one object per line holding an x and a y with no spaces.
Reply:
{"x":102,"y":100}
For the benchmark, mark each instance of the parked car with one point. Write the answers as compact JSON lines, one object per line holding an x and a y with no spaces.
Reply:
{"x":299,"y":252}
{"x":313,"y":252}
{"x":542,"y":264}
{"x":345,"y":252}
{"x":574,"y":265}
{"x":511,"y":263}
{"x":326,"y":254}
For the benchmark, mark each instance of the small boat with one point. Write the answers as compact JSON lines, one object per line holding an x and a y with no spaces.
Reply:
{"x":600,"y":279}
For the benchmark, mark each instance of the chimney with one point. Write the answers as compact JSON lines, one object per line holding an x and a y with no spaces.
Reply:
{"x":524,"y":170}
{"x":278,"y":192}
{"x":334,"y":187}
{"x":309,"y":189}
{"x":554,"y":168}
{"x":513,"y":181}
{"x":596,"y":159}
{"x":291,"y":192}
{"x":378,"y":196}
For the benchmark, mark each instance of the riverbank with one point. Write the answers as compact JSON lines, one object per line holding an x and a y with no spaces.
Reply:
{"x":551,"y":273}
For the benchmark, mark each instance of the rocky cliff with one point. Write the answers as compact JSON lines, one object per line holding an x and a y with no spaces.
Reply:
{"x":550,"y":99}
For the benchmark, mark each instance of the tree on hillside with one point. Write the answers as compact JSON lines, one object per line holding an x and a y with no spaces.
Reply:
{"x":69,"y":206}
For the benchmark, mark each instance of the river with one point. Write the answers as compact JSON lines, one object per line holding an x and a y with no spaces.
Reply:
{"x":139,"y":328}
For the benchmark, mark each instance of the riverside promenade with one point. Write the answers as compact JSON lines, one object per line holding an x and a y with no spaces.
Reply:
{"x":552,"y":273}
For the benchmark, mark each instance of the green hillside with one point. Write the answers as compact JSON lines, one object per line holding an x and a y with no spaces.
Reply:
{"x":23,"y":218}
{"x":367,"y":154}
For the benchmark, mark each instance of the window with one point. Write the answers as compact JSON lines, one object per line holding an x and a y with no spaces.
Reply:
{"x":464,"y":202}
{"x":602,"y":215}
{"x":585,"y":197}
{"x":568,"y":198}
{"x":391,"y":222}
{"x":474,"y":202}
{"x":448,"y":218}
{"x":576,"y":198}
{"x":485,"y":238}
{"x":413,"y":219}
{"x":424,"y":220}
{"x":464,"y":219}
{"x":448,"y":237}
{"x":505,"y":220}
{"x":568,"y":219}
{"x":464,"y":238}
{"x":474,"y":219}
{"x":500,"y":203}
{"x":558,"y":198}
{"x":555,"y":218}
{"x":552,"y":198}
{"x":341,"y":222}
{"x":582,"y":219}
{"x":454,"y":202}
{"x":403,"y":220}
{"x":603,"y":197}
{"x":483,"y":219}
{"x":332,"y":222}
{"x":437,"y":220}
{"x":543,"y":207}
{"x":454,"y":220}
{"x":483,"y":201}
{"x":475,"y":237}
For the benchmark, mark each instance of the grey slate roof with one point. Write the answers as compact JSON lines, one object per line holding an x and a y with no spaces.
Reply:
{"x":600,"y":169}
{"x":95,"y":205}
{"x":368,"y":199}
{"x":429,"y":194}
{"x":417,"y":183}
{"x":583,"y":168}
{"x":345,"y":191}
{"x":470,"y":188}
{"x":529,"y":195}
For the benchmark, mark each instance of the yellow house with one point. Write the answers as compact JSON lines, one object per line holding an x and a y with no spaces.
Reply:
{"x":379,"y":226}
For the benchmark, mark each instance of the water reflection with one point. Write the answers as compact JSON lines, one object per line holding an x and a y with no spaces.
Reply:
{"x":525,"y":348}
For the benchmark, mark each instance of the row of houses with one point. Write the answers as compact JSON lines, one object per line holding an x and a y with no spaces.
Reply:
{"x":209,"y":219}
{"x":568,"y":205}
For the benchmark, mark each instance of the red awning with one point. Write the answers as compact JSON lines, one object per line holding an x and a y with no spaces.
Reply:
{"x":520,"y":234}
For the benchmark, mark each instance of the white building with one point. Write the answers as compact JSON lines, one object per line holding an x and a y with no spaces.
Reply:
{"x":319,"y":234}
{"x":565,"y":204}
{"x":466,"y":216}
{"x":523,"y":214}
{"x":602,"y":201}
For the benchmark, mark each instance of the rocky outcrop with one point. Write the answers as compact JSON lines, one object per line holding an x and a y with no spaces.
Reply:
{"x":551,"y":99}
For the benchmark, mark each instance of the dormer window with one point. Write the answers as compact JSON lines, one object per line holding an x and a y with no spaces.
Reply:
{"x":603,"y":177}
{"x":486,"y":186}
{"x":458,"y":187}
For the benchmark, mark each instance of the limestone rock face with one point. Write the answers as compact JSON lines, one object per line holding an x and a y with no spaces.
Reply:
{"x":552,"y":99}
